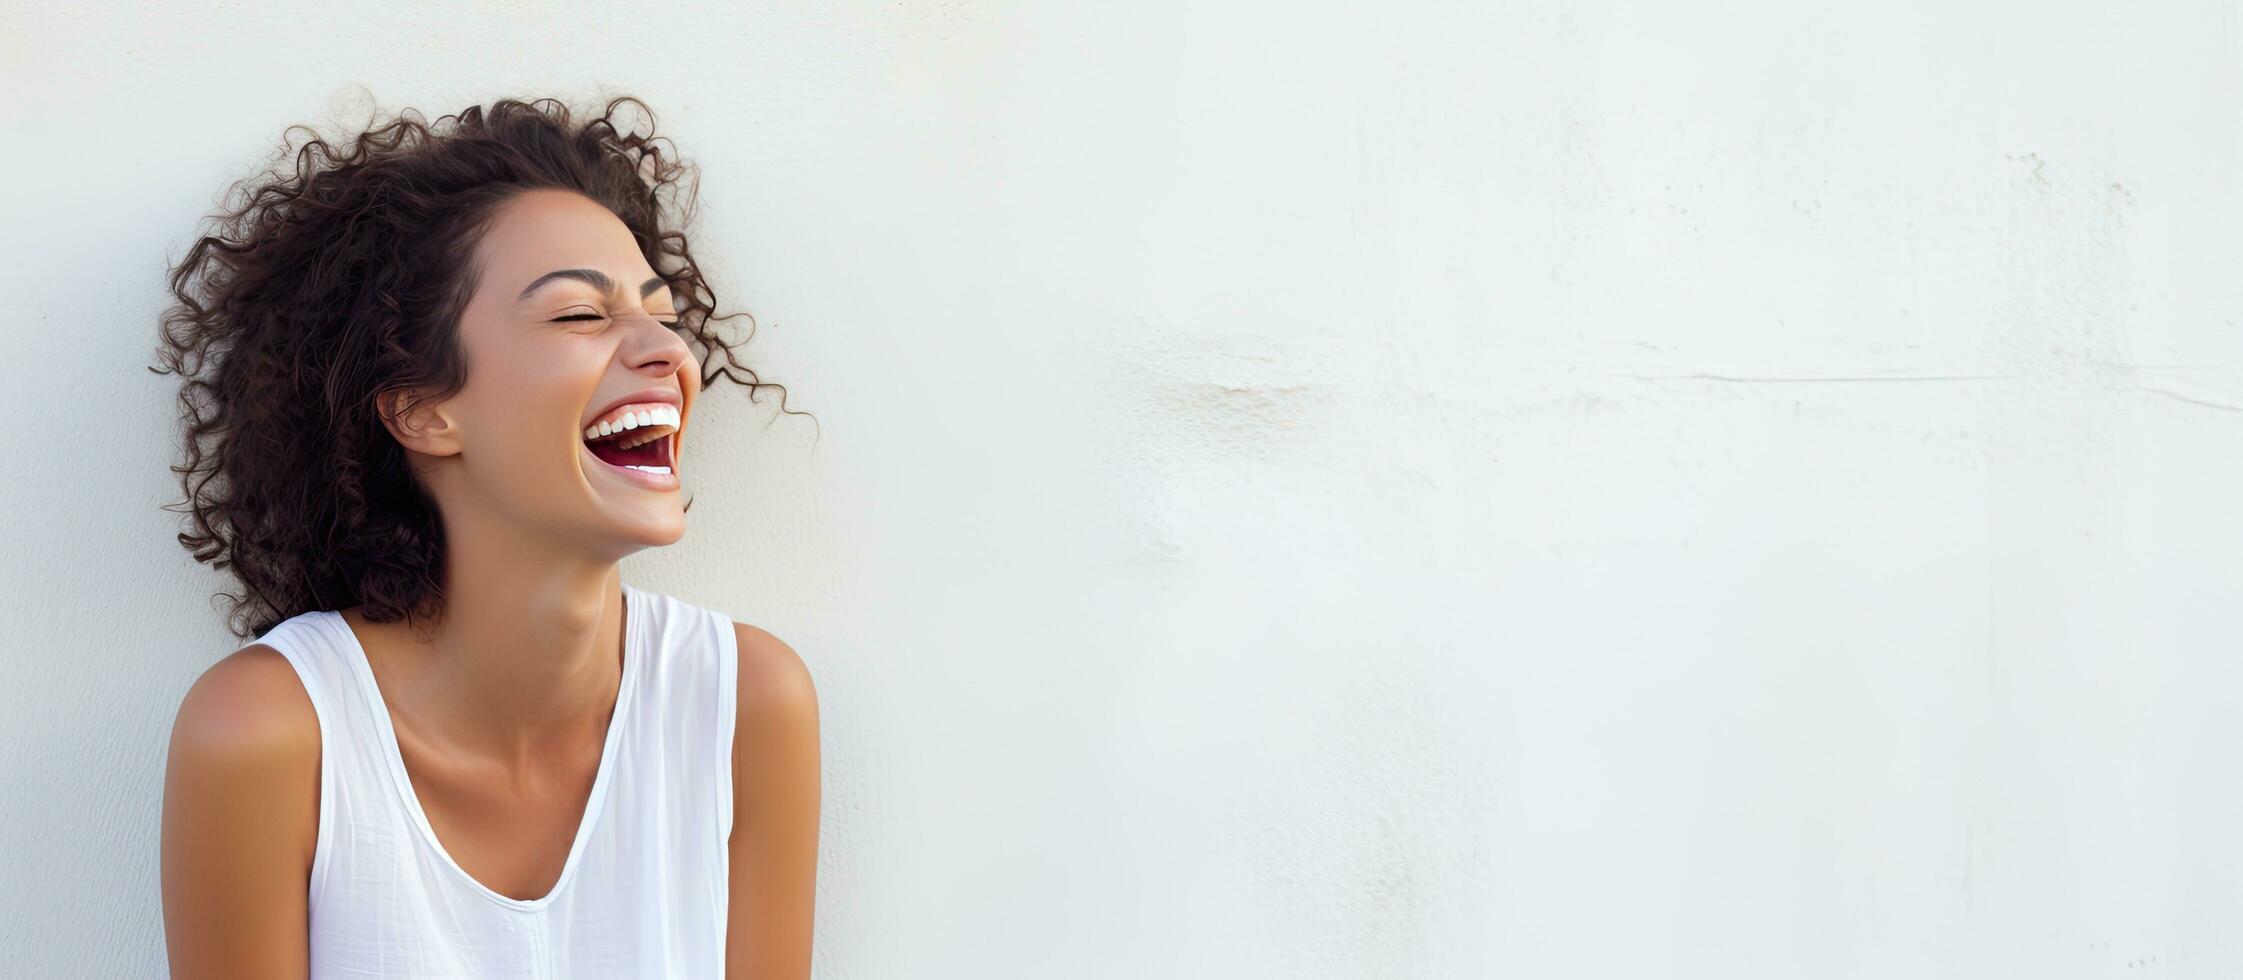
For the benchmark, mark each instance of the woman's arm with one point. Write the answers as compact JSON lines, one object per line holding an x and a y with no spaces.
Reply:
{"x":240,"y":819}
{"x":775,"y":793}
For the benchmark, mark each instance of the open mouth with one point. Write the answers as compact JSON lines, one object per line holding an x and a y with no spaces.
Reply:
{"x":639,"y":438}
{"x":652,"y":457}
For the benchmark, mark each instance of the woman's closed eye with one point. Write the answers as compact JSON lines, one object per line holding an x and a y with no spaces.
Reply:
{"x":672,"y":324}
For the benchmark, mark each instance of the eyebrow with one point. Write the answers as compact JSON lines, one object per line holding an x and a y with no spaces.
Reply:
{"x":593,"y":277}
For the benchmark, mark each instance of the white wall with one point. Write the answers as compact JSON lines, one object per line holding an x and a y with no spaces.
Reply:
{"x":1560,"y":491}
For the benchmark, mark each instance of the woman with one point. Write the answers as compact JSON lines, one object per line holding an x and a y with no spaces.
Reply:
{"x":434,"y":384}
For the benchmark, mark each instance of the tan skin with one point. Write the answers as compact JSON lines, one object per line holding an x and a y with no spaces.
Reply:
{"x":501,"y":706}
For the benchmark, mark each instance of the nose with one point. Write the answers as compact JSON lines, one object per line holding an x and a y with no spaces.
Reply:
{"x":655,"y":348}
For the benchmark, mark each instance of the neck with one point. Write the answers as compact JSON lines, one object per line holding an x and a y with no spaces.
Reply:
{"x":525,"y":659}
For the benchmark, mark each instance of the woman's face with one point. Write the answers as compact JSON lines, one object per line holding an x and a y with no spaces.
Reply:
{"x":549,"y":355}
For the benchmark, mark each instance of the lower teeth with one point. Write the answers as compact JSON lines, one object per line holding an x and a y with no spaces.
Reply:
{"x":664,"y":470}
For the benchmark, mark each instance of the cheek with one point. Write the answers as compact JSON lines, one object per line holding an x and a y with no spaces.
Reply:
{"x":529,"y":415}
{"x":531,"y":440}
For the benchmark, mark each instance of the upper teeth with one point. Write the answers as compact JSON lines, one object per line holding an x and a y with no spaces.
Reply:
{"x":650,"y":415}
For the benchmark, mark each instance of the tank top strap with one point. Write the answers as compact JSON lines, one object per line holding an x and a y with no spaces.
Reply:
{"x":688,"y":698}
{"x":353,"y":775}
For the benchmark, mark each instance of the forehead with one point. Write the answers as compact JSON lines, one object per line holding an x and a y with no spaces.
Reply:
{"x":538,"y":231}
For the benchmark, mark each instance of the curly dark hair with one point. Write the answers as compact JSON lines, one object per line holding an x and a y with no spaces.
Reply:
{"x":328,"y":283}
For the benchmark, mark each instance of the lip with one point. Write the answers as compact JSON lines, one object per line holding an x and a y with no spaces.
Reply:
{"x":669,"y":395}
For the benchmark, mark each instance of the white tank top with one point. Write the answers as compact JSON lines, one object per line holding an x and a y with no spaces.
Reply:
{"x":643,"y":892}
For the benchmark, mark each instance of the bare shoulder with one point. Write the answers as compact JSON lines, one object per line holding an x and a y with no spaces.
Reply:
{"x":776,"y":793}
{"x":250,"y":703}
{"x":775,"y":685}
{"x":240,"y":819}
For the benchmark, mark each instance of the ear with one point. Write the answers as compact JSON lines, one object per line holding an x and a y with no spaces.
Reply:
{"x":417,"y":424}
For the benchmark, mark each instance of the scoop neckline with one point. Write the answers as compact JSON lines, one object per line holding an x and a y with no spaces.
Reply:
{"x":633,"y":652}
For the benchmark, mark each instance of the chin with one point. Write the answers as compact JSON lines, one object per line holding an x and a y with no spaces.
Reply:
{"x":646,"y":516}
{"x":671,"y":533}
{"x":650,"y":523}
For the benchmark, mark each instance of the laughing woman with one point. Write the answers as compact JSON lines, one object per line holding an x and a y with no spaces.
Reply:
{"x":434,"y":383}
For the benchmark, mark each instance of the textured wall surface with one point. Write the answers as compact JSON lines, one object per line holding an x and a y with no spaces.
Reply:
{"x":1572,"y":490}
